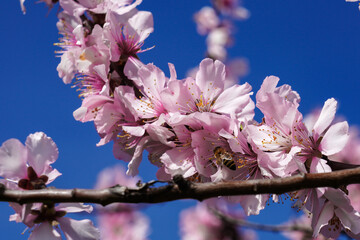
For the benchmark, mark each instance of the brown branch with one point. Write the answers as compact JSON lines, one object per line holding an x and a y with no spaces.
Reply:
{"x":172,"y":191}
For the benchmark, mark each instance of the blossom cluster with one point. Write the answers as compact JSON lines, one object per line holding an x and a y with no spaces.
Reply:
{"x":198,"y":127}
{"x":202,"y":127}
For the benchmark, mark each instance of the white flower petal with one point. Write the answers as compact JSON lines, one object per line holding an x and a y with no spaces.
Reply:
{"x":42,"y":152}
{"x":44,"y":232}
{"x":78,"y":230}
{"x":13,"y":158}
{"x":326,"y":116}
{"x":74,"y":207}
{"x":335,"y":138}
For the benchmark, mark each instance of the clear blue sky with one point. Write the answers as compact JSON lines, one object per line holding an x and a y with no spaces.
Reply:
{"x":312,"y":45}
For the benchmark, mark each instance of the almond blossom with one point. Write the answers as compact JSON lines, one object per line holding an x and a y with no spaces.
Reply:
{"x":336,"y":215}
{"x":47,"y":221}
{"x":322,"y":139}
{"x":206,"y":93}
{"x":274,"y":135}
{"x":28,"y":167}
{"x":125,"y":34}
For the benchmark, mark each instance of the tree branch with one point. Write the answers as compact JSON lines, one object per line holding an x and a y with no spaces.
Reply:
{"x":307,"y":230}
{"x":173,"y":191}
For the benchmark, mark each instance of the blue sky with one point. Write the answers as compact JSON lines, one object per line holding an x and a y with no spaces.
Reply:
{"x":313,"y":45}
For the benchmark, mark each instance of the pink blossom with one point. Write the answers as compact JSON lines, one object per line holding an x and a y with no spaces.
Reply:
{"x":81,"y":51}
{"x":29,"y":166}
{"x":235,"y":69}
{"x":47,"y":221}
{"x":217,"y":41}
{"x":180,"y":159}
{"x":124,"y":225}
{"x":322,"y":139}
{"x":206,"y":93}
{"x":150,"y":105}
{"x":200,"y":223}
{"x":336,"y":215}
{"x":126,"y":34}
{"x":274,"y":135}
{"x":206,"y":20}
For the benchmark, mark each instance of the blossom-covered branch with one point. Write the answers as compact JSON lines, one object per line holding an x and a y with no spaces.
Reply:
{"x":183,"y":189}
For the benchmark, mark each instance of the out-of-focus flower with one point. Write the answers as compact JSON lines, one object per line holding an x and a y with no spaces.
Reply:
{"x":200,"y":223}
{"x":206,"y":20}
{"x":217,"y":41}
{"x":232,"y":8}
{"x":120,"y":220}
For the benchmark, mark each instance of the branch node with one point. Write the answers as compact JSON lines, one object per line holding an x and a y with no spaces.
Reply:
{"x":183,"y":184}
{"x":119,"y":190}
{"x":74,"y":193}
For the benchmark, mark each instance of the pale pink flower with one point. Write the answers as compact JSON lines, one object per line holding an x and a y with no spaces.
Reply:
{"x":81,"y":51}
{"x":72,"y":32}
{"x":180,"y":159}
{"x":206,"y":93}
{"x":235,"y":69}
{"x":29,"y":166}
{"x":336,"y":215}
{"x":206,"y":19}
{"x":94,"y":83}
{"x":274,"y":135}
{"x":217,"y":41}
{"x":253,"y":164}
{"x":47,"y":221}
{"x":351,"y":151}
{"x":90,"y":107}
{"x":124,"y":225}
{"x":322,"y":140}
{"x":150,"y":105}
{"x":200,"y":223}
